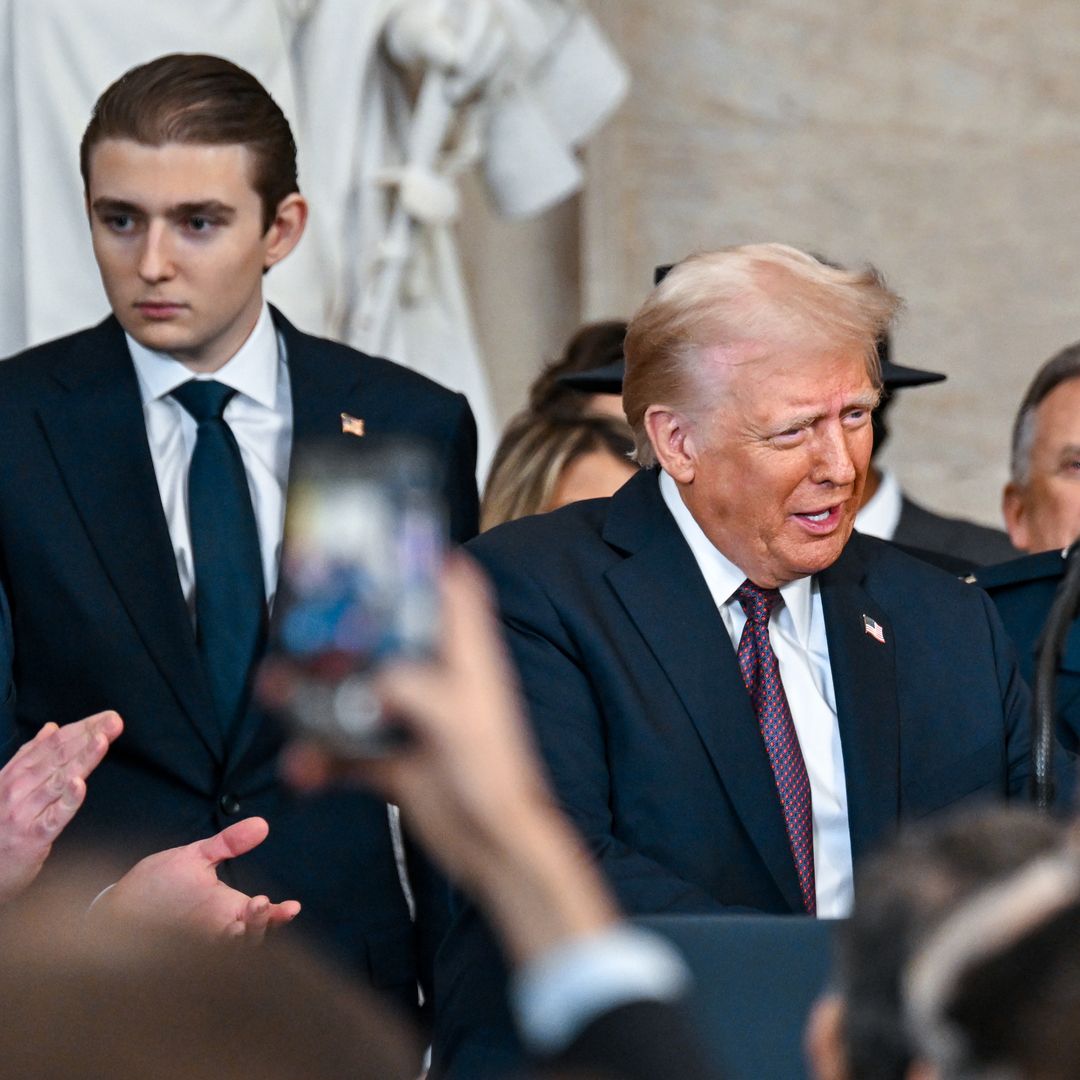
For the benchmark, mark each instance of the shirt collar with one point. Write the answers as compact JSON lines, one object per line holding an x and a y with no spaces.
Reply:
{"x":252,"y":370}
{"x":722,"y":576}
{"x":880,"y":516}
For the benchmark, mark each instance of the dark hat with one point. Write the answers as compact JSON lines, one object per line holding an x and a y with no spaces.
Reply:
{"x":608,"y":379}
{"x":599,"y":380}
{"x":896,"y":376}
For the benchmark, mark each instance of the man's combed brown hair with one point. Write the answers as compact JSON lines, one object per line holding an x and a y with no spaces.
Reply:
{"x":195,"y":98}
{"x":767,"y":295}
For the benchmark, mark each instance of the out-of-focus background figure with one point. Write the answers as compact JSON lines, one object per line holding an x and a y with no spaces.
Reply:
{"x":571,"y":441}
{"x":889,"y":512}
{"x":544,"y":463}
{"x":1041,"y":502}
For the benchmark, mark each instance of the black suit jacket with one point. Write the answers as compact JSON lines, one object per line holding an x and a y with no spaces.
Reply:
{"x":634,"y":691}
{"x":1023,"y":591}
{"x":99,"y":621}
{"x":969,"y":543}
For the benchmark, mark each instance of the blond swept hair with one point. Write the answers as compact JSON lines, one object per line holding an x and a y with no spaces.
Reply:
{"x":534,"y":452}
{"x":768,"y":295}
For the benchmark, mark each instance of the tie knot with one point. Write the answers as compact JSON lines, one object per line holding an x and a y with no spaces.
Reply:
{"x":757,"y":602}
{"x":204,"y":399}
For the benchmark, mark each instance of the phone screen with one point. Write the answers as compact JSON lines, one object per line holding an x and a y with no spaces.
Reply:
{"x":365,"y":534}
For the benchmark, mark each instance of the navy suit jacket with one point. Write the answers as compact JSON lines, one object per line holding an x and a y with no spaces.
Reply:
{"x":634,"y":691}
{"x":99,"y":621}
{"x":1023,"y":591}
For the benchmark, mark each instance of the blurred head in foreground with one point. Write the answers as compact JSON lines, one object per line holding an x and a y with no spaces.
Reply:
{"x":858,"y":1031}
{"x":92,"y":997}
{"x":995,"y":992}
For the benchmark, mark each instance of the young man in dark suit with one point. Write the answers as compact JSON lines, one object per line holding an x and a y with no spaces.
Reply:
{"x":143,"y":474}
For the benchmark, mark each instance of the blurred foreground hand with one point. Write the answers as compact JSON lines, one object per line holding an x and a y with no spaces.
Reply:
{"x":469,"y":782}
{"x":41,"y":788}
{"x":180,"y":888}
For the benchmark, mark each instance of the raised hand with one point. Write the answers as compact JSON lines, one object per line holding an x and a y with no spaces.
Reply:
{"x":179,"y":887}
{"x":41,"y":788}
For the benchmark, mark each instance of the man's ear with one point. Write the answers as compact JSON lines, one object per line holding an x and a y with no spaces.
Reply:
{"x":823,"y":1039}
{"x":285,"y":230}
{"x":670,"y":435}
{"x":1014,"y":511}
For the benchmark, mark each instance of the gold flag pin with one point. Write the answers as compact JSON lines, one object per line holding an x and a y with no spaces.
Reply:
{"x":351,"y":425}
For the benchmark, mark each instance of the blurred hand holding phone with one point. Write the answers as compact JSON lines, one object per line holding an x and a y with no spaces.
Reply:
{"x":365,"y":535}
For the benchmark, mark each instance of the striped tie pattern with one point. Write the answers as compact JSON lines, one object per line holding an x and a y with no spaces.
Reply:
{"x":761,"y":675}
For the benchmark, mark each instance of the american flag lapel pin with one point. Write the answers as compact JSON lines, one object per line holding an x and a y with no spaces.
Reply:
{"x":351,"y":425}
{"x":874,"y":629}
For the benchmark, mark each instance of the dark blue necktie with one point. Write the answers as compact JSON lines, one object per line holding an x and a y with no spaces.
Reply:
{"x":230,"y":596}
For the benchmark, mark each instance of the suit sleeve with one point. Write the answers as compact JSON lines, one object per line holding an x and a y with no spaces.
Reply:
{"x":1017,"y":707}
{"x":644,"y":1040}
{"x":9,"y":738}
{"x":459,"y":481}
{"x":1015,"y":703}
{"x":569,"y":725}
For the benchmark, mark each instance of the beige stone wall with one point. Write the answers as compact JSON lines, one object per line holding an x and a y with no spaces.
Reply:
{"x":525,"y":285}
{"x":939,"y":140}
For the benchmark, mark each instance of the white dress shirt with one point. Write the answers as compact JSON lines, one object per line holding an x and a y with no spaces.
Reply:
{"x":261,"y":418}
{"x":880,"y":515}
{"x":797,"y":634}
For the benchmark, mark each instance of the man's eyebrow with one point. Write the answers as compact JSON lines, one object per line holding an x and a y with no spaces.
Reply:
{"x":804,"y":420}
{"x":206,"y":208}
{"x":114,"y":206}
{"x":202,"y":208}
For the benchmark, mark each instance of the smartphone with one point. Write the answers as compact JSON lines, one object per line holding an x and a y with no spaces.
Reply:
{"x":365,"y":534}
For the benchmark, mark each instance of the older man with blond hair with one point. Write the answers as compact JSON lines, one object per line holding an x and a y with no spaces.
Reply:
{"x":736,"y":695}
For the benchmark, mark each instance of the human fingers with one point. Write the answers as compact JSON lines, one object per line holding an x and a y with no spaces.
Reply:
{"x":473,"y":649}
{"x":255,"y":918}
{"x":24,"y":760}
{"x":88,"y":751}
{"x":56,"y":814}
{"x":54,"y":748}
{"x":468,"y":610}
{"x":283,"y":913}
{"x":237,"y":839}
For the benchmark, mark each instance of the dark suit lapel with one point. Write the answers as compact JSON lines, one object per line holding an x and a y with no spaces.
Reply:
{"x":864,"y":680}
{"x":686,"y":634}
{"x":322,"y":387}
{"x":98,"y":438}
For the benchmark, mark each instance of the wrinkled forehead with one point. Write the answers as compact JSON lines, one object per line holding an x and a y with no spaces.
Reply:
{"x":757,"y":378}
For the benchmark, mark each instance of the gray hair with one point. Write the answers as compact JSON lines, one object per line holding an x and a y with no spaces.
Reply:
{"x":1061,"y":368}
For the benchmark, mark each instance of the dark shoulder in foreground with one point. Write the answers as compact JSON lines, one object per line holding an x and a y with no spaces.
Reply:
{"x":548,"y":532}
{"x":901,"y":568}
{"x":1043,"y":566}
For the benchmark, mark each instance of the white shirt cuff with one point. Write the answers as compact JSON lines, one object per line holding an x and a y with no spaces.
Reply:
{"x":100,"y":895}
{"x":558,"y":995}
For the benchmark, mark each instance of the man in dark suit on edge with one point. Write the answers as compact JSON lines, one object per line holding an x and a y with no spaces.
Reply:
{"x":143,"y":473}
{"x":735,"y":695}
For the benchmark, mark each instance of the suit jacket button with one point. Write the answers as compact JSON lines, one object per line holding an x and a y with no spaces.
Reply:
{"x":229,"y":804}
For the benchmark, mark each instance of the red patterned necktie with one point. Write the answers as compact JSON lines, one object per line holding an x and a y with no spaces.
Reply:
{"x":761,"y":674}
